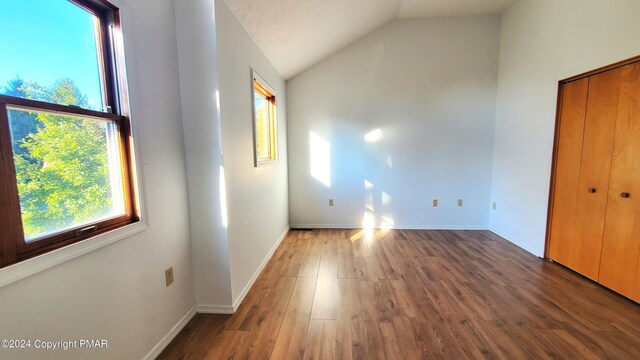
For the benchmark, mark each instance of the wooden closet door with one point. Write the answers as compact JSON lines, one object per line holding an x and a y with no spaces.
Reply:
{"x":585,"y":145}
{"x":562,"y":239}
{"x":595,"y":167}
{"x":621,"y":245}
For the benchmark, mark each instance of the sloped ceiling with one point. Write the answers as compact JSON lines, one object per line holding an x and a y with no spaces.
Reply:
{"x":295,"y":34}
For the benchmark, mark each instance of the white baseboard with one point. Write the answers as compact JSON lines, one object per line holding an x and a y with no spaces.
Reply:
{"x":230,"y":309}
{"x":170,"y":335}
{"x":441,"y":227}
{"x":214,"y":309}
{"x":524,"y":246}
{"x":245,"y":291}
{"x":325,"y":226}
{"x":396,"y":227}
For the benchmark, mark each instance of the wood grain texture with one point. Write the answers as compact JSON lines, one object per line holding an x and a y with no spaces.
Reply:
{"x":11,"y":224}
{"x":573,"y":109}
{"x":595,"y":167}
{"x":621,"y":244}
{"x":418,"y":295}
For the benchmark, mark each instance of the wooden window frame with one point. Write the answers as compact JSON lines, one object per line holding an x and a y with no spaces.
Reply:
{"x":258,"y":85}
{"x":13,"y":246}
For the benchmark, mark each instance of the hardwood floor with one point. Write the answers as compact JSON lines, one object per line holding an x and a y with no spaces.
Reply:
{"x":403,"y":294}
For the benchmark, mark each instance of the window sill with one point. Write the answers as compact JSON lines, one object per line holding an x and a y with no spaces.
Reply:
{"x":261,"y":163}
{"x":26,"y":268}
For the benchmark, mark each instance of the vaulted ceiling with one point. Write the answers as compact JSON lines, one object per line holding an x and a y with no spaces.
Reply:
{"x":295,"y":34}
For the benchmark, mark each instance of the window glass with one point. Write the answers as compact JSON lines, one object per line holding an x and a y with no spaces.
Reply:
{"x":262,"y":126}
{"x":68,"y":171}
{"x":46,"y":43}
{"x":264,"y":123}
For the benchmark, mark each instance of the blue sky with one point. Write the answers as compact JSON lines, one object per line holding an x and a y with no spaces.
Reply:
{"x":46,"y":40}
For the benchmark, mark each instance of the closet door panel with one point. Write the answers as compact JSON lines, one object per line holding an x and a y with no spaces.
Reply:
{"x":602,"y":106}
{"x":562,"y":240}
{"x":621,"y":245}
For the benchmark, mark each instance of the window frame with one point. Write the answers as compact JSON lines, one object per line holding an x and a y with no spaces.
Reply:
{"x":260,"y":86}
{"x":13,"y":245}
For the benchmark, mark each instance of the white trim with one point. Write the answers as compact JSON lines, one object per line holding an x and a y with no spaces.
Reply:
{"x":135,"y":113}
{"x":262,"y":163}
{"x":214,"y":309}
{"x":521,"y":245}
{"x":395,"y":227}
{"x":166,"y":340}
{"x":245,"y":291}
{"x":26,"y":268}
{"x":255,"y":76}
{"x":230,"y":309}
{"x":257,"y":162}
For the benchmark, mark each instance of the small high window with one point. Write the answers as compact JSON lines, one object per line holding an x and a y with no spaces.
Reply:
{"x":65,"y":158}
{"x":264,"y":122}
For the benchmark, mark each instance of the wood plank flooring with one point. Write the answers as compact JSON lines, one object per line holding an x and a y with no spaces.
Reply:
{"x":399,"y":294}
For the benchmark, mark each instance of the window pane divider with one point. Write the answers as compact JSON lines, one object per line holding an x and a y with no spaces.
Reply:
{"x":29,"y":104}
{"x":26,"y":250}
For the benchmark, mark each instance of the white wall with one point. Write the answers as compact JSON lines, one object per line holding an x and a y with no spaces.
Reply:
{"x":118,"y":293}
{"x":542,"y":42}
{"x":197,"y":48}
{"x":429,"y":86}
{"x":257,"y":198}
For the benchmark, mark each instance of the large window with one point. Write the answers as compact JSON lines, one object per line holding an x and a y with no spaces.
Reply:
{"x":65,"y":157}
{"x":264,"y":122}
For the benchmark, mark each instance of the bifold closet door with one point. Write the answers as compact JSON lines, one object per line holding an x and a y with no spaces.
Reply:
{"x":580,"y":204}
{"x":595,"y":170}
{"x":563,"y":239}
{"x":621,"y":245}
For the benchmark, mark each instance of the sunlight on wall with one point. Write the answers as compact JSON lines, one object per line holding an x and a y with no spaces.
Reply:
{"x":387,"y":223}
{"x":389,"y":162}
{"x":369,"y":218}
{"x":373,"y":136}
{"x":386,"y":198}
{"x":368,"y":224}
{"x":368,"y":185}
{"x":320,"y":151}
{"x":368,"y":202}
{"x":368,"y":197}
{"x":218,"y":123}
{"x":223,"y":198}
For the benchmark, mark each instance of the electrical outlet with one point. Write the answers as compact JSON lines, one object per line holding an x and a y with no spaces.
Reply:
{"x":435,"y":202}
{"x":330,"y":202}
{"x":494,"y":206}
{"x":168,"y":276}
{"x":459,"y":202}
